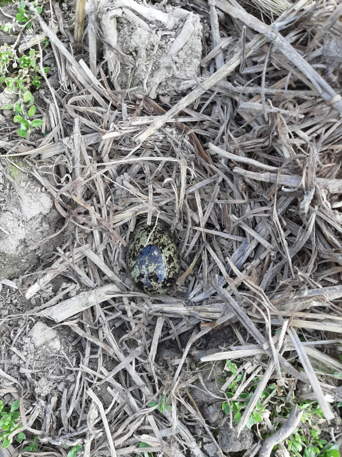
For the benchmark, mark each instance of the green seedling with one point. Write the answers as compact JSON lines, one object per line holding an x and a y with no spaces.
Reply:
{"x":32,"y":447}
{"x":24,"y":16}
{"x":74,"y":450}
{"x":237,"y":406}
{"x":7,"y":28}
{"x":162,"y":406}
{"x":309,"y":411}
{"x":25,"y":109}
{"x":145,"y":445}
{"x":330,"y":450}
{"x":306,"y":441}
{"x":310,"y":445}
{"x":24,"y":73}
{"x":9,"y":422}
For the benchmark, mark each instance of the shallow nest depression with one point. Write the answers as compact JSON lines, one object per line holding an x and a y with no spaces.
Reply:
{"x":245,"y":169}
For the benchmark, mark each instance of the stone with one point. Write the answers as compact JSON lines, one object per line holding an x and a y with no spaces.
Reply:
{"x":43,"y":335}
{"x":229,"y":441}
{"x":211,"y":450}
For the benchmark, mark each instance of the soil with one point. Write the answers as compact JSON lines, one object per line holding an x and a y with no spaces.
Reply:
{"x":27,"y":218}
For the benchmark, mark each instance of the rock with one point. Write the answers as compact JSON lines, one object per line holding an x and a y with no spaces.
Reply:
{"x":44,"y":387}
{"x":229,"y":441}
{"x":209,"y":405}
{"x":43,"y":335}
{"x":27,"y":217}
{"x":211,"y":450}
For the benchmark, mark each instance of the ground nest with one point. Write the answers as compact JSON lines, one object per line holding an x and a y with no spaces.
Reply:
{"x":242,"y":159}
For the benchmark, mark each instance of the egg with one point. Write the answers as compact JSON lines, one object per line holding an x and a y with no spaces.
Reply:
{"x":152,"y":258}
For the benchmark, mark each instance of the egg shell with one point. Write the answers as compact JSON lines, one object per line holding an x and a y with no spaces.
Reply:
{"x":152,"y":258}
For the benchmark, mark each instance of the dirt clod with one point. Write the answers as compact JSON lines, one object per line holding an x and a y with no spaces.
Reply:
{"x":43,"y":335}
{"x":230,"y":441}
{"x":27,"y":217}
{"x":157,"y":52}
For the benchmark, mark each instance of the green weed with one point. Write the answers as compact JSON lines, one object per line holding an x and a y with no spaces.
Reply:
{"x":237,"y":406}
{"x":21,"y":75}
{"x":32,"y":447}
{"x":304,"y":442}
{"x":9,"y":422}
{"x":162,"y":405}
{"x":74,"y":450}
{"x":24,"y":15}
{"x":144,"y":445}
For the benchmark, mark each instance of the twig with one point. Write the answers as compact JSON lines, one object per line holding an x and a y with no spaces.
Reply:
{"x":329,"y":415}
{"x":284,"y":432}
{"x":104,"y":420}
{"x":79,"y":20}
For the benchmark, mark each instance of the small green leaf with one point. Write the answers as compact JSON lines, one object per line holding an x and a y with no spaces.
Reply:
{"x":237,"y":417}
{"x":333,"y":453}
{"x":25,"y":125}
{"x":225,"y":407}
{"x":7,"y":107}
{"x":152,"y":403}
{"x":141,"y":444}
{"x":39,"y":9}
{"x":15,"y":406}
{"x":74,"y":450}
{"x":23,"y":4}
{"x":33,"y":447}
{"x":257,"y":417}
{"x":20,"y":437}
{"x":232,"y":367}
{"x":22,"y":133}
{"x":17,"y":119}
{"x":6,"y":443}
{"x":27,"y":96}
{"x":250,"y":422}
{"x":36,"y":123}
{"x":161,"y":407}
{"x":32,"y":111}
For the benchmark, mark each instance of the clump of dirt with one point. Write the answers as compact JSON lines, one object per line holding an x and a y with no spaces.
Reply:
{"x":12,"y":300}
{"x":39,"y":356}
{"x":230,"y":441}
{"x":27,"y":217}
{"x":153,"y":49}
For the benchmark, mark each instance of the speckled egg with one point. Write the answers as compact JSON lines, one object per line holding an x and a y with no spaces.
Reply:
{"x":152,"y":258}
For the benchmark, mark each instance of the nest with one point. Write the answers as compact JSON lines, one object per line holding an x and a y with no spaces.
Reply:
{"x":245,"y":168}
